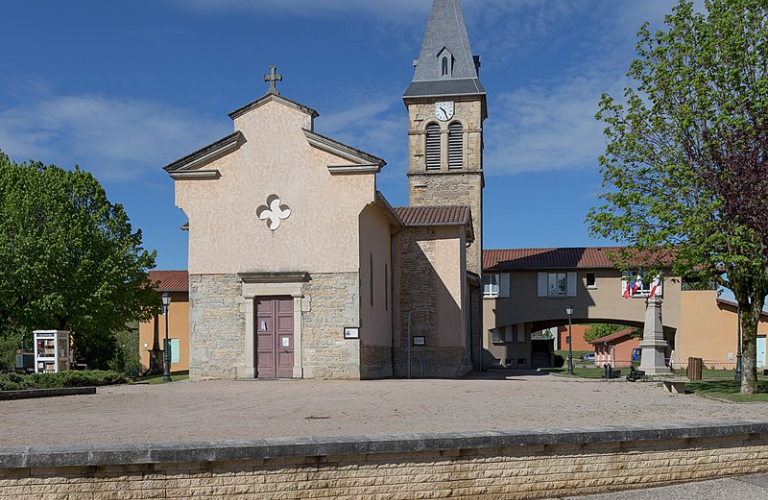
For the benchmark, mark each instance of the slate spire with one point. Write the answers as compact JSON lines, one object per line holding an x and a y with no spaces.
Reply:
{"x":445,"y":65}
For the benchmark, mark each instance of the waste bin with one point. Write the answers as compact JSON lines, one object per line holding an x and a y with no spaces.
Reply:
{"x":695,"y":366}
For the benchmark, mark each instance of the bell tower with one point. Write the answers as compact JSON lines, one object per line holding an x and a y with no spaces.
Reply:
{"x":446,"y":108}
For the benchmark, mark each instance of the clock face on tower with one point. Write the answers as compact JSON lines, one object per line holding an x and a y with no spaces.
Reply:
{"x":444,"y":110}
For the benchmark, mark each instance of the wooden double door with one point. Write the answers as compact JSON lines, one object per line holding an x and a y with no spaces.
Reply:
{"x":274,"y":337}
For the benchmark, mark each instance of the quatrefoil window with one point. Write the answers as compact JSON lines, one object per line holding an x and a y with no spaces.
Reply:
{"x":273,"y":212}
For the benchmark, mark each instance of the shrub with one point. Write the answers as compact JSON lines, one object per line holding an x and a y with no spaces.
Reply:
{"x":15,"y":381}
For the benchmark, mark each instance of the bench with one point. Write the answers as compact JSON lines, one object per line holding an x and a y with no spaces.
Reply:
{"x":635,"y":375}
{"x":675,"y":386}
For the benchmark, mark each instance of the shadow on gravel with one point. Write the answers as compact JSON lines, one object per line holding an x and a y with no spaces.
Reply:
{"x":504,"y":374}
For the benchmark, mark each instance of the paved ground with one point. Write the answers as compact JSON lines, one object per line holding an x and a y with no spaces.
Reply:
{"x":743,"y":488}
{"x":236,"y":410}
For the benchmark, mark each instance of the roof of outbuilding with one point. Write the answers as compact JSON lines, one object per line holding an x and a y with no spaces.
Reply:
{"x":614,"y":336}
{"x":170,"y":281}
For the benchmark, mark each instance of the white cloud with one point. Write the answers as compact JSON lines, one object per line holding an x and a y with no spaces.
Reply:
{"x":115,"y":139}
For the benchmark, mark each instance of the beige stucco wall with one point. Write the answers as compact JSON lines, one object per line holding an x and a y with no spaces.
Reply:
{"x":375,"y":248}
{"x":178,"y":328}
{"x":603,"y":303}
{"x":321,"y":235}
{"x":709,"y":331}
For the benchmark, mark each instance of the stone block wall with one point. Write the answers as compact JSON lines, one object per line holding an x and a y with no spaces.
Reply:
{"x":216,"y":326}
{"x":335,"y":303}
{"x":463,"y":466}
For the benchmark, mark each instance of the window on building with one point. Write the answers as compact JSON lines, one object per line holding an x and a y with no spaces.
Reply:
{"x":496,"y":335}
{"x":444,"y":68}
{"x":496,"y":285}
{"x":433,"y":147}
{"x":520,"y":334}
{"x":558,"y":284}
{"x":386,"y":287}
{"x":455,"y":145}
{"x":591,"y":283}
{"x":508,"y":333}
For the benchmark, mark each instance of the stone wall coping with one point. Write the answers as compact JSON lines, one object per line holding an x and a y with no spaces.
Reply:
{"x":319,"y":446}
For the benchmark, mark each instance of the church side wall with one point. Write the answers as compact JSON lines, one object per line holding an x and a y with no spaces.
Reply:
{"x":428,"y":284}
{"x":216,"y":326}
{"x":375,"y":306}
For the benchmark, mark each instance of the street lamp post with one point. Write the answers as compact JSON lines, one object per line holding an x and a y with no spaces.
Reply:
{"x":166,"y":350}
{"x":569,"y":311}
{"x":738,"y":346}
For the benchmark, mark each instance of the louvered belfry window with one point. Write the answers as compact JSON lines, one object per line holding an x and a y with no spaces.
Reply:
{"x":433,"y":147}
{"x":455,"y":145}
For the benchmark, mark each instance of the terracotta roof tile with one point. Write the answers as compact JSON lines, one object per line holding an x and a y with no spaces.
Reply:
{"x":450,"y":215}
{"x":170,"y":281}
{"x":517,"y":259}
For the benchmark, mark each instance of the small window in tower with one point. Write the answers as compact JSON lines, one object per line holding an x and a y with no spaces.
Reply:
{"x":455,"y":145}
{"x":445,"y":66}
{"x":433,"y":147}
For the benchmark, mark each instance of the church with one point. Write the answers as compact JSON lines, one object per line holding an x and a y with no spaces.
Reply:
{"x":298,"y":265}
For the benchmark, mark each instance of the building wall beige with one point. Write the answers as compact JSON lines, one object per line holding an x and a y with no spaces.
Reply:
{"x":152,"y":334}
{"x":711,"y":331}
{"x":321,"y":234}
{"x":601,"y":303}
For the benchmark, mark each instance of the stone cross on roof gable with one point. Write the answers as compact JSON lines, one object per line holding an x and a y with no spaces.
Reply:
{"x":273,"y":78}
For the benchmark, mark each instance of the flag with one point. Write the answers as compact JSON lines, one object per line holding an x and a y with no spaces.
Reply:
{"x":636,"y":285}
{"x":627,"y":293}
{"x":653,"y":287}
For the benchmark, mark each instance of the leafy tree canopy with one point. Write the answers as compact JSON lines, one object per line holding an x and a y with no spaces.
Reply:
{"x":69,"y":259}
{"x":685,"y":166}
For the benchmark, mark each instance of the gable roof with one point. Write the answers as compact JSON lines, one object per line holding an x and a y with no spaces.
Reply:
{"x":365,"y":162}
{"x":446,"y":29}
{"x":270,"y":97}
{"x":206,"y":154}
{"x":446,"y":215}
{"x":170,"y":281}
{"x":614,"y":336}
{"x":730,"y":304}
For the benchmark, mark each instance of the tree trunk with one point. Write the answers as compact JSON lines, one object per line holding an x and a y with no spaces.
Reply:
{"x":749,"y":320}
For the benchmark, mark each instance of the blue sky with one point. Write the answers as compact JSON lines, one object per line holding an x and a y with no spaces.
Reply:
{"x":124,"y":88}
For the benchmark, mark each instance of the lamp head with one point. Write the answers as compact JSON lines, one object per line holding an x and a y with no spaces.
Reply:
{"x":166,"y":299}
{"x":569,"y":310}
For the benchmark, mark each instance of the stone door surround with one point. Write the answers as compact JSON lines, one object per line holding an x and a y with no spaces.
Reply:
{"x":272,"y":285}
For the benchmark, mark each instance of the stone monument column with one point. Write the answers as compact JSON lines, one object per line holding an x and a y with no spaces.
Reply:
{"x":653,"y":344}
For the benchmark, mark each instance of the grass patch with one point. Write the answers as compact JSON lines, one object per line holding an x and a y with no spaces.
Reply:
{"x":576,"y":354}
{"x":158,"y":379}
{"x":578,"y":371}
{"x":728,"y":390}
{"x":18,"y":382}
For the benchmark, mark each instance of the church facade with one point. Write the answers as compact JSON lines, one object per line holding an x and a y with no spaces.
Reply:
{"x":298,"y":265}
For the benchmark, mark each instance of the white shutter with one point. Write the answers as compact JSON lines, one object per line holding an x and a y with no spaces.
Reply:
{"x":660,"y":288}
{"x":504,"y":285}
{"x":542,"y":288}
{"x":571,"y":284}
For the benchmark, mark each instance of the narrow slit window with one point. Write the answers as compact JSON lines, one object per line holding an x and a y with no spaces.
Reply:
{"x":433,"y":147}
{"x":445,"y":66}
{"x":455,"y":145}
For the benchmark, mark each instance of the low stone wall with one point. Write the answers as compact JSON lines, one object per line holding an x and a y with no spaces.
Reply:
{"x":477,"y":466}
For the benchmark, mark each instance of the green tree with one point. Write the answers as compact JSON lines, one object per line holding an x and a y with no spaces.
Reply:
{"x":697,"y":110}
{"x":69,"y":259}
